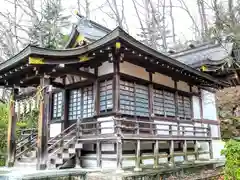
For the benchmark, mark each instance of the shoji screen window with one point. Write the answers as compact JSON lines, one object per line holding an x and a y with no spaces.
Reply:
{"x":57,"y":105}
{"x":81,"y":103}
{"x":134,"y":99}
{"x":163,"y":103}
{"x":106,"y":96}
{"x":184,"y":107}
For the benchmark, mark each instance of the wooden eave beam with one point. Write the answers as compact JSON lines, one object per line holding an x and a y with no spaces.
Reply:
{"x":154,"y":65}
{"x":58,"y":85}
{"x":76,"y":72}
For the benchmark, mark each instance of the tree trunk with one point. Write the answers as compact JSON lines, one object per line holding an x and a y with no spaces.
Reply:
{"x":172,"y":22}
{"x":218,"y":22}
{"x":115,"y":10}
{"x":185,"y":8}
{"x":79,"y":6}
{"x":231,"y":13}
{"x":164,"y":35}
{"x":204,"y":18}
{"x":140,"y":22}
{"x":87,"y":9}
{"x":201,"y":19}
{"x":148,"y":21}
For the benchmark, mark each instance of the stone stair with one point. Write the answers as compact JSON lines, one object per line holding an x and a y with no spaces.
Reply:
{"x":62,"y":150}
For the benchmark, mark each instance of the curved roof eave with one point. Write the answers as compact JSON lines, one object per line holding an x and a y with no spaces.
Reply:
{"x":117,"y":33}
{"x":34,"y":50}
{"x":72,"y":38}
{"x":74,"y":33}
{"x":129,"y":39}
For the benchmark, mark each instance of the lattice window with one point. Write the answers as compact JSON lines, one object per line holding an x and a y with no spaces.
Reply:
{"x":133,"y":99}
{"x":141,"y":100}
{"x":57,"y":105}
{"x":169,"y":104}
{"x":106,"y":96}
{"x":158,"y":102}
{"x":75,"y":103}
{"x":184,"y":107}
{"x":127,"y":97}
{"x":88,"y":108}
{"x":81,"y":103}
{"x":163,"y":103}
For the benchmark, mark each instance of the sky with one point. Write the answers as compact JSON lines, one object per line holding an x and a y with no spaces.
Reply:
{"x":183,"y":24}
{"x":184,"y":27}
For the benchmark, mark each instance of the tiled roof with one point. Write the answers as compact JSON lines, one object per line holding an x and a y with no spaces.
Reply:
{"x":206,"y":54}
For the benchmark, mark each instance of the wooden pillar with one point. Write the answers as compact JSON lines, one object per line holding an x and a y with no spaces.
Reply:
{"x":150,"y":101}
{"x":156,"y":153}
{"x":65,"y":104}
{"x":196,"y":150}
{"x":210,"y":149}
{"x":138,"y":157}
{"x":11,"y":141}
{"x":78,"y":151}
{"x":191,"y":104}
{"x":171,"y":150}
{"x":96,"y":94}
{"x":150,"y":93}
{"x":176,"y":107}
{"x":116,"y":83}
{"x":44,"y":117}
{"x":185,"y":157}
{"x":119,"y":154}
{"x":99,"y":154}
{"x":65,"y":94}
{"x":176,"y":98}
{"x":201,"y":104}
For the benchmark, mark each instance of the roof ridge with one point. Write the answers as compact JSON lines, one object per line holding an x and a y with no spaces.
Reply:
{"x":193,"y":50}
{"x":96,"y":24}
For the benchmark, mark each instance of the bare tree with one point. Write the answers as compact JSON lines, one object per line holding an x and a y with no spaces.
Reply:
{"x":87,"y":5}
{"x":204,"y":24}
{"x":231,"y":13}
{"x":184,"y":7}
{"x":118,"y":13}
{"x":172,"y":22}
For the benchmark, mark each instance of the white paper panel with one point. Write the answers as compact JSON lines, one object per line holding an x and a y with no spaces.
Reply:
{"x":209,"y":105}
{"x":55,"y":129}
{"x":196,"y":107}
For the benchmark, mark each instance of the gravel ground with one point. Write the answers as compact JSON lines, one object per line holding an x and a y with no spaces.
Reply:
{"x":203,"y":174}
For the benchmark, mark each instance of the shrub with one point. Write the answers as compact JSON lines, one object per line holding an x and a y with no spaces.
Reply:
{"x":232,"y":165}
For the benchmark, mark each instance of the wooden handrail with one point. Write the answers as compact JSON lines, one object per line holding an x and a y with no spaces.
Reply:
{"x":135,"y":126}
{"x":61,"y":139}
{"x":156,"y":123}
{"x":33,"y":134}
{"x":70,"y":140}
{"x":60,"y":134}
{"x":22,"y":145}
{"x":25,"y":150}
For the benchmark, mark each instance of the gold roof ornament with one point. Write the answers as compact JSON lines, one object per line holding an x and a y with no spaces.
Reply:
{"x":35,"y":60}
{"x":203,"y":68}
{"x":80,"y":38}
{"x":118,"y":45}
{"x":75,"y":11}
{"x":84,"y":58}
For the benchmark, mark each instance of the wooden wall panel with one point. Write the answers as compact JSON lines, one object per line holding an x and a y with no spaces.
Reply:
{"x":162,"y":79}
{"x":105,"y":68}
{"x":134,"y":70}
{"x":183,"y":86}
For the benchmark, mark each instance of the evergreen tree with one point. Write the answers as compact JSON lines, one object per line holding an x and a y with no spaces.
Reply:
{"x":49,"y":32}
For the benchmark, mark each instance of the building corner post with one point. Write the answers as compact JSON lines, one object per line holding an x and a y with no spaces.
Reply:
{"x":44,"y":116}
{"x":11,"y":141}
{"x":156,"y":154}
{"x":138,"y":157}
